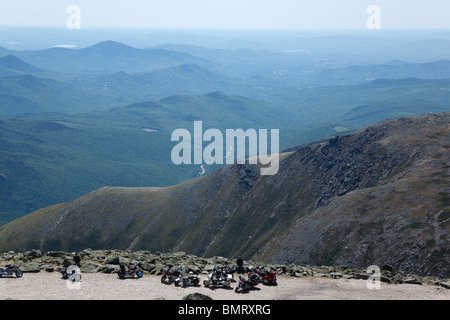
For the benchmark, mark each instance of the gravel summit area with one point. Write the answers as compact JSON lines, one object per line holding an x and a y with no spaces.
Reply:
{"x":98,"y":286}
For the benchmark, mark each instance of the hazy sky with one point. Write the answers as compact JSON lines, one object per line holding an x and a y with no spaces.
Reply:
{"x":273,"y":14}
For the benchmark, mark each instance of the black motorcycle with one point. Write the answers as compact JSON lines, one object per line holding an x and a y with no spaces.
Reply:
{"x":71,"y":273}
{"x":10,"y":270}
{"x":186,"y":279}
{"x":132,"y":271}
{"x":246,"y":284}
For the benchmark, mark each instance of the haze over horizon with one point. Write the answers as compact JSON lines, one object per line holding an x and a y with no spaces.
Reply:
{"x":233,"y":14}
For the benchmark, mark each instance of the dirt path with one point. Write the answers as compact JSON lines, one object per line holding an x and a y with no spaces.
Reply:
{"x":98,"y":286}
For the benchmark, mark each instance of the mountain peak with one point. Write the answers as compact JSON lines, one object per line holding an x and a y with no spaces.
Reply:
{"x":109,"y":45}
{"x":14,"y":63}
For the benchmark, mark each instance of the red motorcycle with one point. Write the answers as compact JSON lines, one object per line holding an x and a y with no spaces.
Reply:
{"x":169,"y":275}
{"x":269,"y":277}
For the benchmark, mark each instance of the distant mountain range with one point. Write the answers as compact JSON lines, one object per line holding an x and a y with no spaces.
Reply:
{"x":111,"y":74}
{"x":379,"y":195}
{"x":393,"y":70}
{"x":104,"y":57}
{"x":28,"y":89}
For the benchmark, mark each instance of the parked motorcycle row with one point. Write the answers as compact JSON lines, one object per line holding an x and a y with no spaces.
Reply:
{"x":72,"y":272}
{"x":217,"y":278}
{"x":220,"y":278}
{"x":256,"y":276}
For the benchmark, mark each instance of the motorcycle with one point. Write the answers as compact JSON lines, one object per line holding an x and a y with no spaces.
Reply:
{"x":246,"y":284}
{"x":132,"y":271}
{"x":169,"y":275}
{"x":230,"y":273}
{"x":186,"y":279}
{"x":255,"y":274}
{"x":9,"y":270}
{"x":218,"y":278}
{"x":269,"y":277}
{"x":71,"y":273}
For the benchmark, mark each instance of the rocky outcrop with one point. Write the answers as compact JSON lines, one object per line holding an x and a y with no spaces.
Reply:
{"x":384,"y":199}
{"x":108,"y":261}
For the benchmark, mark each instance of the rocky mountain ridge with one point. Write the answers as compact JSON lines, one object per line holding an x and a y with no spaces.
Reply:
{"x":376,"y":196}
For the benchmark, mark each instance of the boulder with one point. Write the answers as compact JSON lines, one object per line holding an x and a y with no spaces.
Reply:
{"x":158,"y":269}
{"x":412,"y":280}
{"x":361,"y":275}
{"x":89,"y":267}
{"x":193,"y":268}
{"x":196,"y":296}
{"x":336,"y":275}
{"x":67,"y":262}
{"x":144,"y":265}
{"x":30,"y":267}
{"x":444,"y":284}
{"x":319,"y":274}
{"x":115,"y":260}
{"x":49,"y":268}
{"x":33,"y":254}
{"x":58,"y":254}
{"x":385,"y":279}
{"x":387,"y":267}
{"x":109,"y":268}
{"x":208,"y":268}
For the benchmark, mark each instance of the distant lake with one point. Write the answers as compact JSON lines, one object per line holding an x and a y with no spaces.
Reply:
{"x":150,"y":129}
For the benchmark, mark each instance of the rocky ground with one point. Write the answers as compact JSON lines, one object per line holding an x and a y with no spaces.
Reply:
{"x":42,"y":280}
